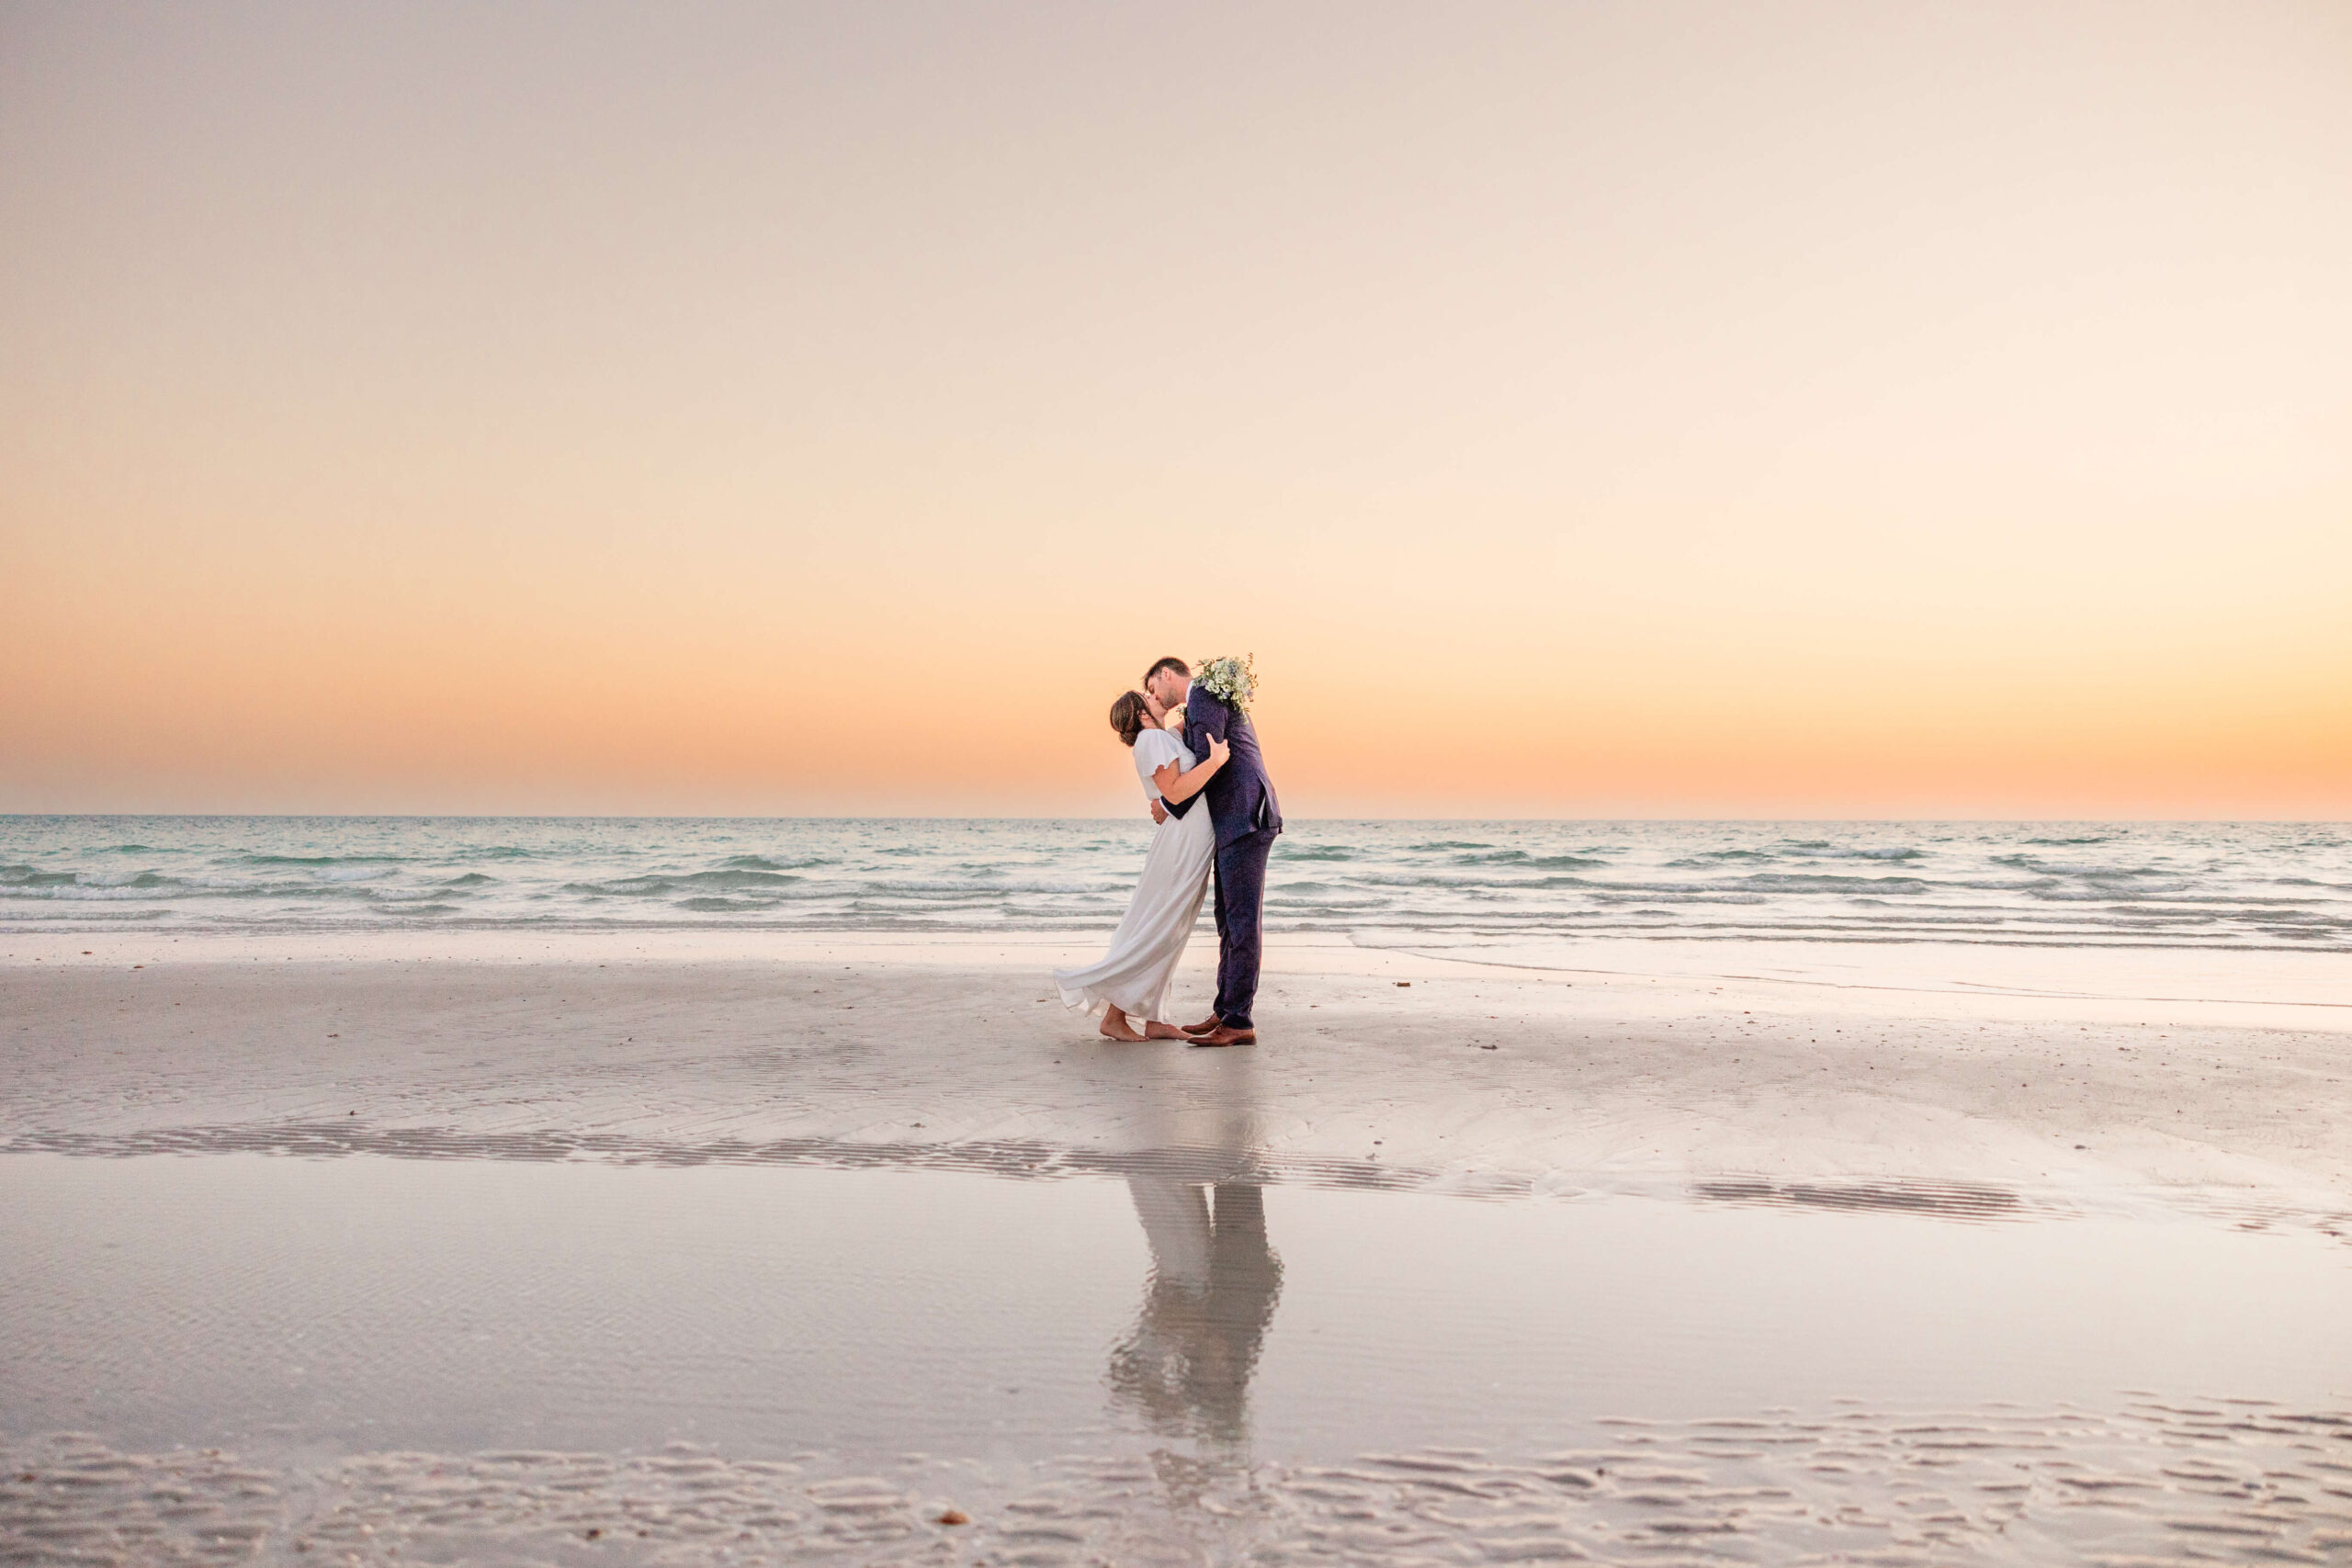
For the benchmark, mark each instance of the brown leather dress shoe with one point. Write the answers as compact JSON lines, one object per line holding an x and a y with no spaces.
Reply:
{"x":1221,"y":1035}
{"x":1205,"y":1026}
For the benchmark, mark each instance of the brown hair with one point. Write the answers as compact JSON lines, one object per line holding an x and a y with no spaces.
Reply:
{"x":1130,"y":716}
{"x":1176,"y":664}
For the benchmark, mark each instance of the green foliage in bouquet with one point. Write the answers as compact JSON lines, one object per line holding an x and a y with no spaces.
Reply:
{"x":1235,"y":680}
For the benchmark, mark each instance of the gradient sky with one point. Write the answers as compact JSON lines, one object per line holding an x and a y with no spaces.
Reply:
{"x":1779,"y":409}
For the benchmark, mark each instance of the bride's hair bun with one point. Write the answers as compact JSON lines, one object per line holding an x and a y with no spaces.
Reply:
{"x":1130,"y":716}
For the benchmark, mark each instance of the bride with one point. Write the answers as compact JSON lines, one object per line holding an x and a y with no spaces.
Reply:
{"x":1131,"y":980}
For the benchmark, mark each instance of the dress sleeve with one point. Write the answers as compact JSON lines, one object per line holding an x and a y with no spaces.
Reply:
{"x":1153,"y":749}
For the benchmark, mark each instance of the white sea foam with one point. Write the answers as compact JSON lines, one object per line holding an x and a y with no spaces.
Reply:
{"x":2257,"y":886}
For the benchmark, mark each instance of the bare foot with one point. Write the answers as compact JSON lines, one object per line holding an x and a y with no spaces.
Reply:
{"x":1115,"y":1026}
{"x":1163,"y":1032}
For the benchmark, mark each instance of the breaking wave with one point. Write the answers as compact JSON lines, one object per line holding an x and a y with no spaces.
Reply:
{"x":2278,"y":887}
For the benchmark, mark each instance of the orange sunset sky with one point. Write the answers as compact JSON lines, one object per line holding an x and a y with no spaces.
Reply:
{"x":1778,"y":409}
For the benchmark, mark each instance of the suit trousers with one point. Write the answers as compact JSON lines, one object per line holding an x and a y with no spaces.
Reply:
{"x":1240,"y":917}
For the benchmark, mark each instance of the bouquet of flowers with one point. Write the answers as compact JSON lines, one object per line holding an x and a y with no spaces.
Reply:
{"x":1233,"y":679}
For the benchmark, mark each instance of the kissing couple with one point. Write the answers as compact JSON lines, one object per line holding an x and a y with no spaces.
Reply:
{"x":1193,"y":743}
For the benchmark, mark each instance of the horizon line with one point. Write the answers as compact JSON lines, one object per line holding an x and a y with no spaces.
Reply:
{"x":692,"y":817}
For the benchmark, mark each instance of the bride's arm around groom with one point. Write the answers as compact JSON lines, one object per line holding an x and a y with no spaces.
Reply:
{"x":1245,"y":817}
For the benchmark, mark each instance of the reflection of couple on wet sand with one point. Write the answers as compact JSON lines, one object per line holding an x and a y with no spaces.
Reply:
{"x":1193,"y":744}
{"x":1189,"y":1153}
{"x":1186,"y":1366}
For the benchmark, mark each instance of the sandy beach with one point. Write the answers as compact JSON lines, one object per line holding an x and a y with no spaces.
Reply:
{"x":659,"y":1247}
{"x":1426,"y":1071}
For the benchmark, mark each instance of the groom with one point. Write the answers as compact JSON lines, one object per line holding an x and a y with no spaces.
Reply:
{"x":1246,"y":817}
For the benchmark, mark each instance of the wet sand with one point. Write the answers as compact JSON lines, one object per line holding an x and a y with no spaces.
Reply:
{"x":487,"y":1360}
{"x":1466,"y":1076}
{"x":620,"y":1250}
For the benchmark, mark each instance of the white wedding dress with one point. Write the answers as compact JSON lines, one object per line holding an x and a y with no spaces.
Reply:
{"x":1133,"y":976}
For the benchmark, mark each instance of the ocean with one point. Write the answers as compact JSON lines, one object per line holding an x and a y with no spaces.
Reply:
{"x":2199,"y":885}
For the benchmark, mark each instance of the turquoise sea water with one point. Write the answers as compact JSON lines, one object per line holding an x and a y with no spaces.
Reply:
{"x":2275,"y":887}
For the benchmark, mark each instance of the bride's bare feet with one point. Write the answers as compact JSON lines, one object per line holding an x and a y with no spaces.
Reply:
{"x":1115,"y":1026}
{"x":1157,"y":1031}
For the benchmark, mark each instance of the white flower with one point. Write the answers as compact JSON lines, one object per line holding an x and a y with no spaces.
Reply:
{"x":1233,"y":679}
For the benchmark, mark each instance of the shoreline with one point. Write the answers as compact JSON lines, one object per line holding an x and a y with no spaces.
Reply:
{"x":1957,"y":980}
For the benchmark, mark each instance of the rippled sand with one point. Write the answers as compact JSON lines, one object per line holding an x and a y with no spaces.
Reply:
{"x":2154,"y":1484}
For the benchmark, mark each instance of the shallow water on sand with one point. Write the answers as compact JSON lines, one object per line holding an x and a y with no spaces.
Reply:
{"x":487,"y":1360}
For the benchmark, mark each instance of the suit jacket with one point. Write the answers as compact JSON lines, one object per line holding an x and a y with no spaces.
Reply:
{"x":1240,"y":795}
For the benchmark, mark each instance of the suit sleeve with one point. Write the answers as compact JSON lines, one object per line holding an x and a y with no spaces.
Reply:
{"x":1206,"y":718}
{"x":1198,"y":711}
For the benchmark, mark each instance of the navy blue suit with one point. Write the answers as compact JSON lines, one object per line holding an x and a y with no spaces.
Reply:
{"x":1246,"y":816}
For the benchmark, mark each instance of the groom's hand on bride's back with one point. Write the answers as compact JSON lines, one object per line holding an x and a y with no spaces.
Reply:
{"x":1158,"y":812}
